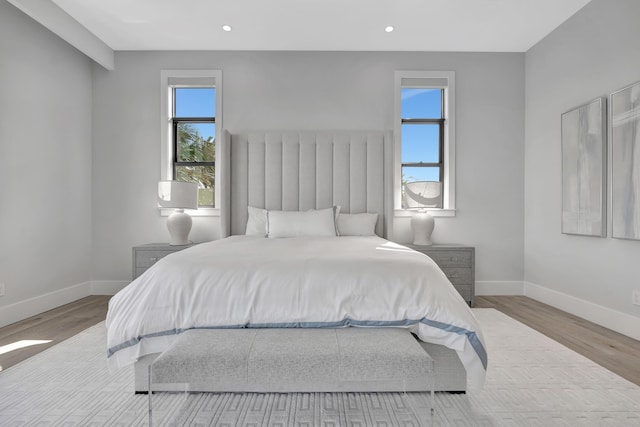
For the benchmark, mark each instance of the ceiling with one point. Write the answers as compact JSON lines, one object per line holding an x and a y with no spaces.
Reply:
{"x":344,"y":25}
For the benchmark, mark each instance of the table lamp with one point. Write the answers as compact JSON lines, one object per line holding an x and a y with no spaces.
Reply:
{"x":179,"y":196}
{"x":422,"y":195}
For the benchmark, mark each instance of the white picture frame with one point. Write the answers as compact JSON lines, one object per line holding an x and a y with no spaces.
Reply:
{"x":584,"y":165}
{"x":625,"y":162}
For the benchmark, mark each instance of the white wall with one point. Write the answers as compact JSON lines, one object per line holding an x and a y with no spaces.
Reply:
{"x":312,"y":90}
{"x":594,"y":53}
{"x":45,"y":168}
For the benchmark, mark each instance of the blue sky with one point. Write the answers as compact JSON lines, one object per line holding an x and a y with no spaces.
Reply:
{"x":419,"y":142}
{"x":200,"y":102}
{"x":195,"y":102}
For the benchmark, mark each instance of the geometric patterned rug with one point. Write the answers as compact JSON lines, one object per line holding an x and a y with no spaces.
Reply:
{"x":532,"y":381}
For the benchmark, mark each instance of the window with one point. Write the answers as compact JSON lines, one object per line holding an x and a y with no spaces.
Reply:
{"x":190,"y":129}
{"x":424,"y":141}
{"x":422,"y":138}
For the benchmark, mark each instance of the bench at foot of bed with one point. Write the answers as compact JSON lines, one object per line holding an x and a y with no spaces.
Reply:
{"x":301,"y":360}
{"x":294,"y":360}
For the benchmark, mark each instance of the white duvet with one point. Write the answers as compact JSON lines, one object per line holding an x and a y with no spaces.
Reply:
{"x":248,"y":281}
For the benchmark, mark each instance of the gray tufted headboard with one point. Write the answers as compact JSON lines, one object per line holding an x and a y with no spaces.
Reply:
{"x":305,"y":170}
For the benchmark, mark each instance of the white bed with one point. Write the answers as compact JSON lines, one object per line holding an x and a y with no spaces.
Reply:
{"x":237,"y":282}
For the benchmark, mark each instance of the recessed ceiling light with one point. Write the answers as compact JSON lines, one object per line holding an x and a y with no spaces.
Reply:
{"x":226,"y":28}
{"x":389,"y":28}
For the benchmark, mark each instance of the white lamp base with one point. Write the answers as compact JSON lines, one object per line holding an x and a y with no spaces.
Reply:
{"x":422,"y":225}
{"x":179,"y":225}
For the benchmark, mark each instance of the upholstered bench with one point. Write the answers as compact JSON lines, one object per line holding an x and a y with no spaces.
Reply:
{"x":294,"y":360}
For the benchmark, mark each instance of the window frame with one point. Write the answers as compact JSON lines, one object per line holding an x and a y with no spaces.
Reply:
{"x":446,"y":82}
{"x":168,"y":154}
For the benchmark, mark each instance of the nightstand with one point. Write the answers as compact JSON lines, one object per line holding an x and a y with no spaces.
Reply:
{"x":144,"y":256}
{"x":458,"y":263}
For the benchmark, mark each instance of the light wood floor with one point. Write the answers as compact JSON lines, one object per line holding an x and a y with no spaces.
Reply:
{"x":56,"y":325}
{"x":614,"y":351}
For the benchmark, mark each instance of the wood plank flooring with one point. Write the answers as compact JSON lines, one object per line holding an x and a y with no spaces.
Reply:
{"x":55,"y":325}
{"x":614,"y":351}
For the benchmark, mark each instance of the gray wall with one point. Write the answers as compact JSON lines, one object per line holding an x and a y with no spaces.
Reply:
{"x":594,"y":53}
{"x":312,"y":90}
{"x":45,"y":160}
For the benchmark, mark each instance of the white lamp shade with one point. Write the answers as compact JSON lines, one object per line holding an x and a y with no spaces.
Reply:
{"x":423,"y":194}
{"x":177,"y":195}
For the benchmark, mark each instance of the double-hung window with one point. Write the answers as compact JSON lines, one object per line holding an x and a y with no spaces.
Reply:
{"x":424,"y":141}
{"x":422,"y":132}
{"x":190,"y":130}
{"x":194,"y":139}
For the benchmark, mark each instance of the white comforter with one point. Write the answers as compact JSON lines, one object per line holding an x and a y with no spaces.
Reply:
{"x":246,"y":281}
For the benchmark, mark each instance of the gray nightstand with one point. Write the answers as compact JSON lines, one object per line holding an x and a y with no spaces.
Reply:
{"x":458,"y":263}
{"x":144,"y":256}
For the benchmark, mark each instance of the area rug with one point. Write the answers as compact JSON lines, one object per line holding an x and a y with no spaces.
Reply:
{"x":531,"y":381}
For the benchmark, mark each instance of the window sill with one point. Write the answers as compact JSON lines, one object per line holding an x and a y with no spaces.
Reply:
{"x":407,"y":213}
{"x":193,"y":212}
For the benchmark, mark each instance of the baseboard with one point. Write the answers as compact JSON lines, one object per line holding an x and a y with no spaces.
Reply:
{"x":30,"y":307}
{"x":107,"y":287}
{"x":623,"y":323}
{"x":21,"y":310}
{"x":499,"y":288}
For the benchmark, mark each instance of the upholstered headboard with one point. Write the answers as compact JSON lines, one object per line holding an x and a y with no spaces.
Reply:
{"x":305,"y":170}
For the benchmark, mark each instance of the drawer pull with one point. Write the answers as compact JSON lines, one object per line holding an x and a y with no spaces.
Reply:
{"x":452,"y":275}
{"x":154,"y":259}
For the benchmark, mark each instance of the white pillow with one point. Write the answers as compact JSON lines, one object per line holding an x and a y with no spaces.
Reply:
{"x":257,"y":222}
{"x":311,"y":223}
{"x":362,"y":224}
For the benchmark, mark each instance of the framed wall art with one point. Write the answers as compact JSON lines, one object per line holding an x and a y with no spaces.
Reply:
{"x":584,"y":160}
{"x":625,"y":162}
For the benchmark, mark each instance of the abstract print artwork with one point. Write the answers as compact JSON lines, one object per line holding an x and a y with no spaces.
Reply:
{"x":625,"y":162}
{"x":584,"y":169}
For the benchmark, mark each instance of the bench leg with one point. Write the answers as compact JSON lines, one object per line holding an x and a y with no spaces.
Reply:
{"x":150,"y":405}
{"x":432,"y":392}
{"x":433,"y":404}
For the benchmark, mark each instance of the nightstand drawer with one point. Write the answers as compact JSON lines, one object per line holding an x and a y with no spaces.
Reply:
{"x":144,"y":256}
{"x":458,"y":276}
{"x":458,"y":264}
{"x":146,"y":259}
{"x":451,"y":258}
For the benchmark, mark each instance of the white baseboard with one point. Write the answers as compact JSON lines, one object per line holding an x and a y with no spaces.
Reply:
{"x":30,"y":307}
{"x":499,"y":288}
{"x":107,"y":287}
{"x":21,"y":310}
{"x":623,"y":323}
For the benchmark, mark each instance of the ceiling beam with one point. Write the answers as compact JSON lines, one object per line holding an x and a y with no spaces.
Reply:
{"x":50,"y":16}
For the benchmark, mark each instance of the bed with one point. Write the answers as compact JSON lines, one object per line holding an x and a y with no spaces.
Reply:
{"x":300,"y":276}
